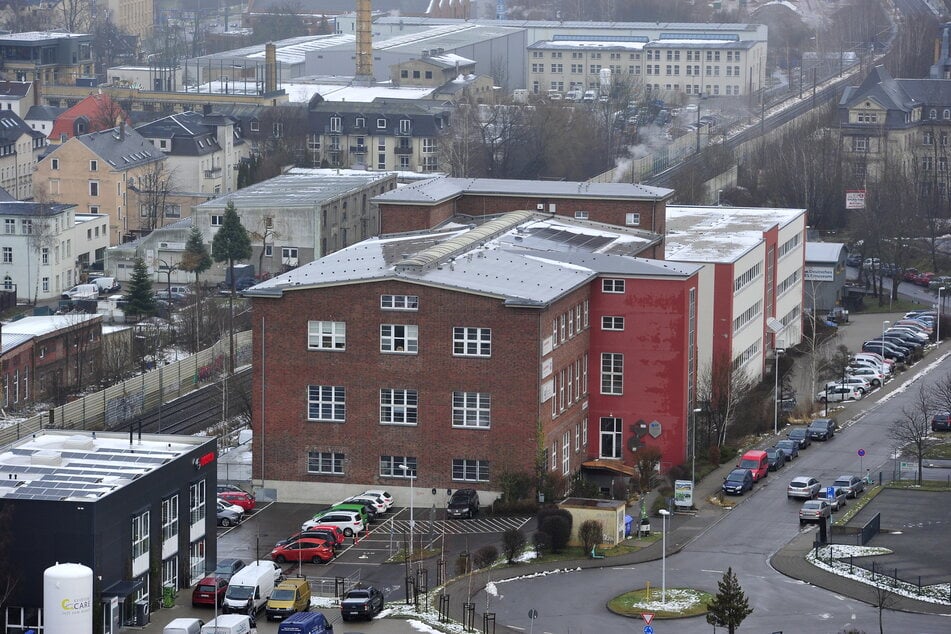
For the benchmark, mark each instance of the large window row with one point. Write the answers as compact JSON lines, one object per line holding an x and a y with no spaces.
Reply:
{"x":612,"y":373}
{"x":748,"y":315}
{"x":748,"y":276}
{"x":790,"y":244}
{"x":333,"y":462}
{"x":400,"y":406}
{"x":788,"y":283}
{"x":467,"y":341}
{"x":746,"y":355}
{"x":570,"y":385}
{"x":569,"y":323}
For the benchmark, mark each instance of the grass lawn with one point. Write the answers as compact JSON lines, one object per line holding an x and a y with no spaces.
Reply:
{"x":681,"y":603}
{"x":896,"y":306}
{"x":627,"y":546}
{"x":856,"y":505}
{"x":927,"y":485}
{"x":939,"y":452}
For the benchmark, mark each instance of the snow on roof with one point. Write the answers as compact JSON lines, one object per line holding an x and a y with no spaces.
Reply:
{"x":569,"y":44}
{"x":720,"y":234}
{"x":437,"y":189}
{"x":295,"y":189}
{"x":12,"y":340}
{"x":452,"y":59}
{"x":296,"y":52}
{"x":824,"y":251}
{"x":303,"y":92}
{"x":42,"y":325}
{"x":39,"y":36}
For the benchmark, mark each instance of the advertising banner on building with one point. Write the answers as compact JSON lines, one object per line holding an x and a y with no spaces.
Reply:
{"x":818,"y":273}
{"x":855,"y":199}
{"x":683,"y":493}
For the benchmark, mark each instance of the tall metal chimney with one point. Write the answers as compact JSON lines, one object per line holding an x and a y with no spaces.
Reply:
{"x":270,"y":68}
{"x":364,"y":70}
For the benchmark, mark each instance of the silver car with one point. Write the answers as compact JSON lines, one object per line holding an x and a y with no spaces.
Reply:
{"x":804,"y":487}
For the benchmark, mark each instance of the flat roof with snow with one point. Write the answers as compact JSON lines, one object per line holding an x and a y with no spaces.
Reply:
{"x":720,"y":234}
{"x":38,"y":326}
{"x":296,"y":189}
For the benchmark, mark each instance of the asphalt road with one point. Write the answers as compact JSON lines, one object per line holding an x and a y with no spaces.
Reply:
{"x":743,"y":539}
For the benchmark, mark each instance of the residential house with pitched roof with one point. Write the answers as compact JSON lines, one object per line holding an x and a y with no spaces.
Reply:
{"x":46,"y":57}
{"x":107,"y":172}
{"x":20,"y":147}
{"x":17,"y":96}
{"x":92,"y":114}
{"x":203,"y":150}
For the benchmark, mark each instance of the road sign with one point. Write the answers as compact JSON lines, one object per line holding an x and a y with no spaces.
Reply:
{"x":533,"y":614}
{"x":830,"y":494}
{"x":648,"y":617}
{"x":648,"y":629}
{"x":861,"y":453}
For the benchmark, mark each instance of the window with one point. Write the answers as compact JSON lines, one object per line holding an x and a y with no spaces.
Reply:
{"x":398,"y":407}
{"x":405,"y":126}
{"x":610,"y":437}
{"x":277,"y":129}
{"x":565,"y":455}
{"x":93,"y":188}
{"x":196,"y":503}
{"x":399,"y":338}
{"x":748,"y":276}
{"x":632,"y":220}
{"x":45,"y":255}
{"x":46,"y":285}
{"x":390,"y":466}
{"x":10,"y":226}
{"x":326,"y":402}
{"x":381,"y":124}
{"x":170,"y":518}
{"x":472,"y":342}
{"x":429,"y":145}
{"x":335,"y":124}
{"x":581,"y":215}
{"x":611,"y":286}
{"x":470,"y":470}
{"x":471,"y":409}
{"x":790,"y":244}
{"x":859,"y":144}
{"x":7,"y":255}
{"x":360,"y":123}
{"x":196,"y":560}
{"x":748,"y":315}
{"x":217,"y":221}
{"x":326,"y":462}
{"x":93,"y":165}
{"x":140,"y":535}
{"x":326,"y":335}
{"x":612,"y":323}
{"x":255,"y":125}
{"x":173,"y":211}
{"x":612,"y":373}
{"x":399,"y":302}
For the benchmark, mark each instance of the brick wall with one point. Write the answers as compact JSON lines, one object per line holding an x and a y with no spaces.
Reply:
{"x":400,"y":218}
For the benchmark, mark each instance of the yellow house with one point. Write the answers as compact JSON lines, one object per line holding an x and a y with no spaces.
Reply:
{"x":102,"y":172}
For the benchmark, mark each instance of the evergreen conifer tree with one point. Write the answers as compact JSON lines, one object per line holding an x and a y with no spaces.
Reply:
{"x":139,"y":299}
{"x":730,"y":606}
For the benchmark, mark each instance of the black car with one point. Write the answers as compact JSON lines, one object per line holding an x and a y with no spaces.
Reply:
{"x":941,"y":422}
{"x":463,"y":503}
{"x":790,"y":448}
{"x":361,"y":603}
{"x":822,"y":429}
{"x":738,"y":482}
{"x":227,"y":568}
{"x":801,"y":435}
{"x":775,"y":458}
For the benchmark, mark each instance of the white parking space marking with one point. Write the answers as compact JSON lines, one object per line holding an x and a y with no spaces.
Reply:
{"x":450,"y":527}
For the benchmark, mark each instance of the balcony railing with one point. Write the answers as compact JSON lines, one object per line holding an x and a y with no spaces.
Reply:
{"x":358,"y":149}
{"x":213,"y":172}
{"x":400,"y":149}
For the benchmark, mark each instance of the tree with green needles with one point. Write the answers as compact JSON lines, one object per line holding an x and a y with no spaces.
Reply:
{"x":139,"y":300}
{"x":196,"y":258}
{"x":730,"y":606}
{"x":231,"y":243}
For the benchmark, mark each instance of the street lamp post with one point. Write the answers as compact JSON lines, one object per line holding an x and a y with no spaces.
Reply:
{"x":408,"y":471}
{"x":693,"y":444}
{"x":777,"y":350}
{"x":663,"y":558}
{"x":168,"y":272}
{"x":884,"y":328}
{"x":937,"y":337}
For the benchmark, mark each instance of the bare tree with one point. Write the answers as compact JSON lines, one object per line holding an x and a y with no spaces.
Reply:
{"x":885,"y":599}
{"x":75,"y":15}
{"x":116,"y":359}
{"x":721,"y":388}
{"x":153,"y":192}
{"x":42,"y":238}
{"x":913,"y":430}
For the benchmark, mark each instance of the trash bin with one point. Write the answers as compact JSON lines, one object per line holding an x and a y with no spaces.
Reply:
{"x":142,"y":612}
{"x":645,"y":527}
{"x":628,"y":525}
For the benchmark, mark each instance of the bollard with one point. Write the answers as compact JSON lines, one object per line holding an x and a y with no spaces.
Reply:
{"x":488,"y":623}
{"x":468,"y":616}
{"x":409,"y":588}
{"x":443,"y":608}
{"x":850,"y":564}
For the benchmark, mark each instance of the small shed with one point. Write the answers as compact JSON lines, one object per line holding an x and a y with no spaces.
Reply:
{"x":609,"y":512}
{"x":824,"y":275}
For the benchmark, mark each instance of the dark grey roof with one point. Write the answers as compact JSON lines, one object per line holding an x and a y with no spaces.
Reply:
{"x":424,"y":120}
{"x":12,"y":128}
{"x":6,"y":196}
{"x":14,"y":88}
{"x":121,"y":151}
{"x":28,"y":208}
{"x":44,"y":113}
{"x":883,"y":88}
{"x":444,"y":188}
{"x":191,"y":133}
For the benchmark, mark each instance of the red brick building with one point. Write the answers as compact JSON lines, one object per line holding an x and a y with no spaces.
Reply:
{"x":462,"y":352}
{"x":427,"y":204}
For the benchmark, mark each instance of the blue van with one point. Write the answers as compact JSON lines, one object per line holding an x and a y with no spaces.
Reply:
{"x":306,"y":623}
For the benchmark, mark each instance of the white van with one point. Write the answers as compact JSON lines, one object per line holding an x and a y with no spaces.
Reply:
{"x":82,"y":291}
{"x":229,"y":624}
{"x":183,"y":626}
{"x":252,"y":585}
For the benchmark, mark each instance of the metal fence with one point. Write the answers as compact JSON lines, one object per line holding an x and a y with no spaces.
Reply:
{"x":118,"y":404}
{"x":333,"y":587}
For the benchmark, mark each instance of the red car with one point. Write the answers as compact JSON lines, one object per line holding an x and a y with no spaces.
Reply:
{"x":311,"y":549}
{"x":240,"y":498}
{"x":339,"y":537}
{"x":209,"y":591}
{"x":924,"y":279}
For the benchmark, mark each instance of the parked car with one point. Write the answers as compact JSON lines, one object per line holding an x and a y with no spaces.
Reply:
{"x":463,"y":503}
{"x":839,"y":393}
{"x":383,"y":495}
{"x":910,"y":274}
{"x":802,"y":487}
{"x":757,"y":461}
{"x":814,"y":511}
{"x":853,"y":259}
{"x":790,"y":448}
{"x":230,"y":487}
{"x":738,"y":482}
{"x":941,"y":422}
{"x":874,"y":376}
{"x":836,"y":500}
{"x":309,"y":549}
{"x":228,"y":517}
{"x":923,"y":279}
{"x":225,"y":505}
{"x":173,"y":297}
{"x":378,"y":505}
{"x":871,"y":264}
{"x":863,"y":385}
{"x":800,"y":435}
{"x":885,"y":350}
{"x":289,"y":597}
{"x":823,"y":428}
{"x":226,"y":568}
{"x":242,"y":499}
{"x":209,"y":591}
{"x":852,"y":484}
{"x":363,"y":602}
{"x":349,"y":522}
{"x":776,"y":458}
{"x":330,"y":534}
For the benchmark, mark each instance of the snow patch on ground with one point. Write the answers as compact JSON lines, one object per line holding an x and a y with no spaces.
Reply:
{"x":834,"y":558}
{"x":678,"y":600}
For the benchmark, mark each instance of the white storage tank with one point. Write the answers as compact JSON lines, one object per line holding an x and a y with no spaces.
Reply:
{"x":67,"y":599}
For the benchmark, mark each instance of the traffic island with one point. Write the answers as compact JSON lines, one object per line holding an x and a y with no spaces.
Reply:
{"x":681,"y":603}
